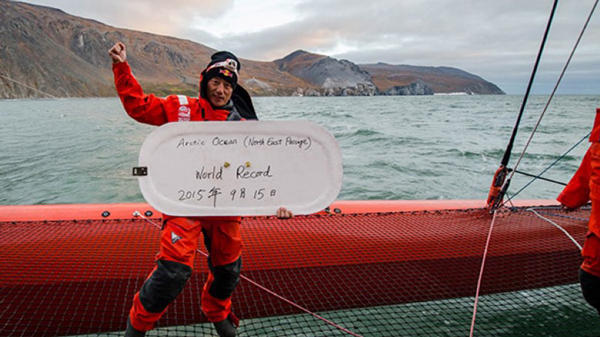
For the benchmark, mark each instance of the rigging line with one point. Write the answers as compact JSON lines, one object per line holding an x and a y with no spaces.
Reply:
{"x":82,"y":107}
{"x":485,"y":251}
{"x":499,"y":182}
{"x":584,"y":207}
{"x":565,"y":217}
{"x":137,"y":213}
{"x":553,"y":91}
{"x":44,"y":93}
{"x":557,"y":226}
{"x":554,"y":214}
{"x":551,"y":165}
{"x":300,"y":307}
{"x":539,"y":176}
{"x":27,"y":86}
{"x":509,"y":200}
{"x":297,"y":306}
{"x":508,"y":151}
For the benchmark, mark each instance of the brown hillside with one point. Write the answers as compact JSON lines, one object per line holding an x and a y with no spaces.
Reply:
{"x":440,"y":79}
{"x":66,"y":56}
{"x":62,"y":55}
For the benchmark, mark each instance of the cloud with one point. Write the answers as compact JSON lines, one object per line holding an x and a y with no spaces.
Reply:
{"x":153,"y":16}
{"x":497,"y":40}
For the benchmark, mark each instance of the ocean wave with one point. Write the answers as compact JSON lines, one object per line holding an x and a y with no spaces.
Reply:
{"x":392,"y":147}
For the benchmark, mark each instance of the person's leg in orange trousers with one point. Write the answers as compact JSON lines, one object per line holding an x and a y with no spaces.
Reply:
{"x":174,"y":263}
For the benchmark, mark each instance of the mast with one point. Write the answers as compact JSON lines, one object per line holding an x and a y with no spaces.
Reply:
{"x":499,"y":185}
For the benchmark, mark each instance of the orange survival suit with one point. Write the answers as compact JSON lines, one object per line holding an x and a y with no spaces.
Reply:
{"x":180,"y":235}
{"x":583,"y":187}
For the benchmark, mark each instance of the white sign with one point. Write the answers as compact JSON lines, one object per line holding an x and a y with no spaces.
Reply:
{"x":240,"y":168}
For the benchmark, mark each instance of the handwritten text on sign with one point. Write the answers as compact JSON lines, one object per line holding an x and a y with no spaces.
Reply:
{"x":241,"y":172}
{"x":301,"y":143}
{"x":240,"y":168}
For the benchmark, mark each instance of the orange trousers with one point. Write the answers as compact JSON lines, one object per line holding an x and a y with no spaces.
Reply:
{"x":175,"y":262}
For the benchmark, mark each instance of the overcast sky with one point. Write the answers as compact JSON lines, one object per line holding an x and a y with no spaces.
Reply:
{"x":495,"y":39}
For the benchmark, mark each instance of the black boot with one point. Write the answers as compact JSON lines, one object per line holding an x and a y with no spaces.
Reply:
{"x":225,"y":328}
{"x":132,"y":332}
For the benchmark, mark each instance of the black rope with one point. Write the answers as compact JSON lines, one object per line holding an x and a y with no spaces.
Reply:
{"x":499,"y":186}
{"x":539,"y":176}
{"x":508,"y":151}
{"x":507,"y":184}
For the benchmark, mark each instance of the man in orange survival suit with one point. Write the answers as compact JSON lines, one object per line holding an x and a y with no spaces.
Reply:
{"x":583,"y":187}
{"x":221,"y":99}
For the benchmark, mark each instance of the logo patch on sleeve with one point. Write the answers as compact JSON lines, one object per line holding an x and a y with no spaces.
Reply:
{"x":175,"y":237}
{"x":184,"y":113}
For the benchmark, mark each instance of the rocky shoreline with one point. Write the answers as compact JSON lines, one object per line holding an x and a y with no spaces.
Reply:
{"x":45,"y":50}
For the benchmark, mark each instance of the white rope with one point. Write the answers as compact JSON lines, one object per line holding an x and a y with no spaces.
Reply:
{"x":83,"y":107}
{"x":554,"y":90}
{"x":137,"y":213}
{"x":557,"y":226}
{"x":27,"y":86}
{"x":339,"y":327}
{"x":485,"y":251}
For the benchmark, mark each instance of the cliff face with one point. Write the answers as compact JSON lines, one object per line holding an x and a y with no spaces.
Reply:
{"x":439,"y":79}
{"x":417,"y":87}
{"x":332,"y":77}
{"x":44,"y":51}
{"x":66,"y":56}
{"x":32,"y":51}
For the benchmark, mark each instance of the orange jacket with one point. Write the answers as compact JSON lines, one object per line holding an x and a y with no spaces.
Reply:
{"x":595,"y":135}
{"x":577,"y":192}
{"x":585,"y":184}
{"x":153,"y":110}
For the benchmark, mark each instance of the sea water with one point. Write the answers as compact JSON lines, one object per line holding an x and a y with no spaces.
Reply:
{"x":56,"y":151}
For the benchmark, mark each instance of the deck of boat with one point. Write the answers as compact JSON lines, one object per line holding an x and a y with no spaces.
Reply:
{"x":410,"y":271}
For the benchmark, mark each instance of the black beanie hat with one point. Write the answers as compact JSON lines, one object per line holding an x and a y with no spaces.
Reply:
{"x":224,"y":65}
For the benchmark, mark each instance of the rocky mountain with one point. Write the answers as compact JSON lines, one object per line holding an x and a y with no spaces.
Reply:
{"x":332,"y":77}
{"x":391,"y":79}
{"x":45,"y":51}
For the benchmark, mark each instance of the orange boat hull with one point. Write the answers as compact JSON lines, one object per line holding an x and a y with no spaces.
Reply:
{"x":359,"y":254}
